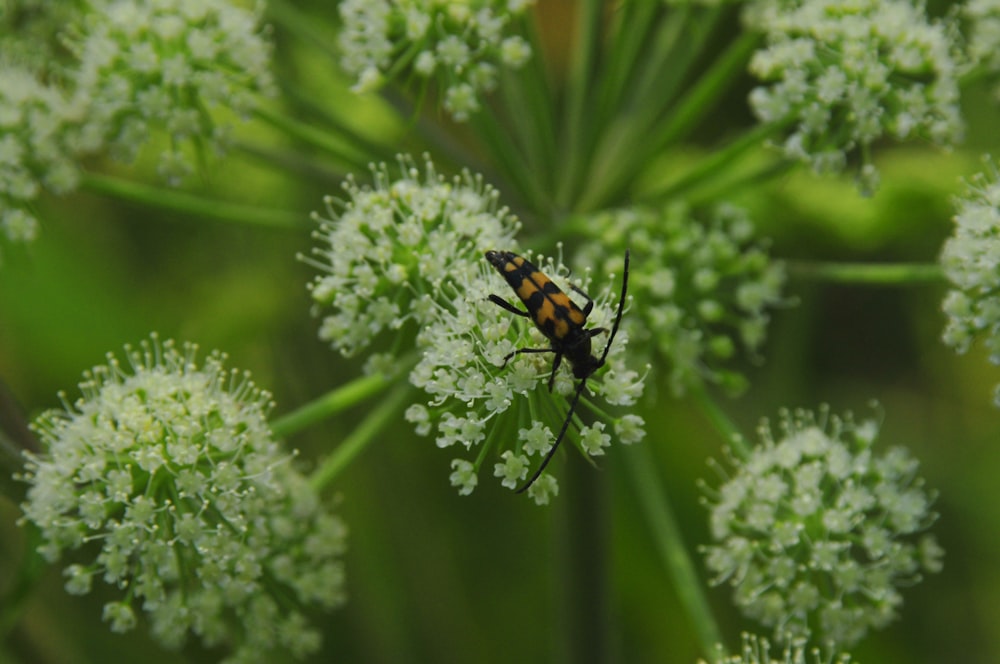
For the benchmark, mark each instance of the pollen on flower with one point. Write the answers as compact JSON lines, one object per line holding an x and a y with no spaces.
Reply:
{"x":139,"y":473}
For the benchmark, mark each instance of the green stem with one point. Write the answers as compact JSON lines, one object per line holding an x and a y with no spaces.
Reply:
{"x":706,"y":92}
{"x":362,"y":435}
{"x":577,"y":128}
{"x":187,"y":203}
{"x":631,"y":137}
{"x":509,"y":159}
{"x":582,"y":534}
{"x":724,"y":188}
{"x":307,"y":104}
{"x":874,"y":274}
{"x":726,"y":428}
{"x":644,"y":33}
{"x":329,"y":404}
{"x":337,"y":147}
{"x":655,"y":506}
{"x":302,"y":27}
{"x":530,"y":111}
{"x":12,"y":604}
{"x":712,"y":166}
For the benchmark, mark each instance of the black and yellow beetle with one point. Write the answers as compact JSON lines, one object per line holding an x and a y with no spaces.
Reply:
{"x":561,"y":321}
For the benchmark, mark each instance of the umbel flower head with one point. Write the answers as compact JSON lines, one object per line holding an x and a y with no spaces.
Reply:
{"x":971,"y":262}
{"x":816,"y":533}
{"x":38,"y":141}
{"x":163,"y":65}
{"x":388,"y":253}
{"x":411,"y":250}
{"x":755,"y":650}
{"x":844,"y":75}
{"x":983,"y":43}
{"x":166,"y":479}
{"x":458,"y":44}
{"x":705,"y":283}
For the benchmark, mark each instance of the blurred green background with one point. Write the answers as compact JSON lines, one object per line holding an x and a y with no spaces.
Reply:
{"x":435,"y":577}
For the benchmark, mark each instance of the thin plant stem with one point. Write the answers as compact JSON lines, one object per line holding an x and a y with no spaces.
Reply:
{"x":361,"y":436}
{"x":530,"y":111}
{"x":509,"y":159}
{"x":706,"y":92}
{"x":329,"y":404}
{"x":718,"y":418}
{"x":583,"y":533}
{"x":723,"y":188}
{"x":713,"y":166}
{"x":339,"y":148}
{"x":872,"y":274}
{"x":192,"y":204}
{"x":32,"y":567}
{"x":659,"y":515}
{"x":578,"y":107}
{"x":301,"y":27}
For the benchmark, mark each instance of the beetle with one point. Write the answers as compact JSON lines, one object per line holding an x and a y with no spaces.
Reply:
{"x":561,"y":321}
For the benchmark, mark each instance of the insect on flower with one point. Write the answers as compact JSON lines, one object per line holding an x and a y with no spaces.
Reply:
{"x":561,"y":321}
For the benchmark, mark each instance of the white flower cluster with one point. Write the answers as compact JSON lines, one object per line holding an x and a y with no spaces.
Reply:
{"x":816,"y":533}
{"x":983,"y":46}
{"x":163,"y":65}
{"x":137,"y":67}
{"x":457,"y":43}
{"x":39,"y":135}
{"x":411,"y":250}
{"x":705,"y":287}
{"x":971,"y":262}
{"x":847,"y":74}
{"x":168,"y":472}
{"x":756,"y":650}
{"x":462,"y":370}
{"x":394,"y":252}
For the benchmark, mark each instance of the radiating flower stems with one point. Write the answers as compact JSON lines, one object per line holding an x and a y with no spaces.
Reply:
{"x":510,"y":159}
{"x":332,"y":402}
{"x":655,"y":506}
{"x":338,"y":147}
{"x":706,"y":92}
{"x":577,"y":114}
{"x":165,"y":198}
{"x":874,"y":274}
{"x":364,"y":433}
{"x":713,"y":166}
{"x":631,"y":138}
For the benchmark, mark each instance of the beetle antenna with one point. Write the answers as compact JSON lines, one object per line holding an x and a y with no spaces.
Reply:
{"x":555,"y":445}
{"x":583,"y":383}
{"x":621,"y":309}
